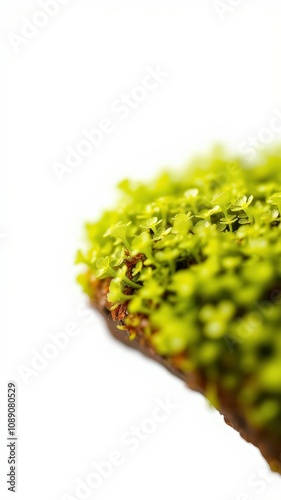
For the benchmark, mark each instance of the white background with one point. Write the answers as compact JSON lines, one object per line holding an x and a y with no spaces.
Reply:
{"x":223,"y":84}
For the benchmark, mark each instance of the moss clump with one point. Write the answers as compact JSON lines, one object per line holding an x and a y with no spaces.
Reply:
{"x":198,"y":254}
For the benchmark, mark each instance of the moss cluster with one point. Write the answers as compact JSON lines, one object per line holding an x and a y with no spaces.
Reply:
{"x":199,"y":254}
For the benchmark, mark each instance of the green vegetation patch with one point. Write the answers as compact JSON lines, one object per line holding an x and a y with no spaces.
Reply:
{"x":198,"y":254}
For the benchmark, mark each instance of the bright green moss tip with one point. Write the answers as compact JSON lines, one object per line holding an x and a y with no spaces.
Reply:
{"x":206,"y":251}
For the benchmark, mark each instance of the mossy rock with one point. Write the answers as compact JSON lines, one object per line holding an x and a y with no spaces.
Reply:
{"x":198,"y":255}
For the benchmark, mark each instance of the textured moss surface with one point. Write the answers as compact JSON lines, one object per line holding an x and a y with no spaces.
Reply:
{"x":198,"y":254}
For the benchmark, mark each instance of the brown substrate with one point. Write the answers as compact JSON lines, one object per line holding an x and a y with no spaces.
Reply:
{"x":268,"y":444}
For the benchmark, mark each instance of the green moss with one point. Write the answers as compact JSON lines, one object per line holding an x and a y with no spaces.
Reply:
{"x":199,"y":253}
